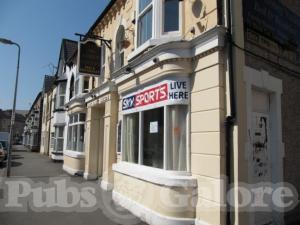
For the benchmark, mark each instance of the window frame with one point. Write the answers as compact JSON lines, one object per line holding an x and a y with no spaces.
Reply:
{"x":58,"y":96}
{"x":72,"y":126}
{"x":57,"y":137}
{"x":170,"y":33}
{"x":84,"y":79}
{"x":150,"y":6}
{"x":165,"y":139}
{"x":158,"y":34}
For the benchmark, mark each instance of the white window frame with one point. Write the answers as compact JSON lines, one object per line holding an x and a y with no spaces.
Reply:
{"x":56,"y":137}
{"x":166,"y":128}
{"x":140,"y":14}
{"x":161,"y":29}
{"x":59,"y":95}
{"x":158,"y":35}
{"x":83,"y":90}
{"x":77,"y":125}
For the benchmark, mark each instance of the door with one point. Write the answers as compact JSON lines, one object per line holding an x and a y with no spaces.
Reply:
{"x":260,"y":157}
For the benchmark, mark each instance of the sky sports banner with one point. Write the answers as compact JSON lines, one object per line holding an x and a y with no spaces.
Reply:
{"x":167,"y":92}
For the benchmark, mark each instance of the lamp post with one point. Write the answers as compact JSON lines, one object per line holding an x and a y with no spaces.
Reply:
{"x":13,"y":113}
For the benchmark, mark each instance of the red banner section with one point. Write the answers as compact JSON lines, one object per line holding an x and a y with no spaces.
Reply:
{"x":168,"y":92}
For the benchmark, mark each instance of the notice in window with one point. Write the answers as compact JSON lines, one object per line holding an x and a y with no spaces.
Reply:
{"x":153,"y":127}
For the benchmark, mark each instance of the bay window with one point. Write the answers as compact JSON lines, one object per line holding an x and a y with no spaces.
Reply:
{"x":171,"y":15}
{"x":156,"y":137}
{"x":59,"y":138}
{"x":75,"y":140}
{"x":158,"y":20}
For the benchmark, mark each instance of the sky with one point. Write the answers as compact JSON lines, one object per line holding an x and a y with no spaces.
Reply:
{"x":38,"y":26}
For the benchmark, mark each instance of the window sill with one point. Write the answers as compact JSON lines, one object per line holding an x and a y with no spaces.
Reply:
{"x":153,"y":42}
{"x":155,"y":175}
{"x":74,"y":154}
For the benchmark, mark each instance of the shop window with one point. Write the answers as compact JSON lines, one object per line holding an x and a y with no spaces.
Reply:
{"x":75,"y":141}
{"x":153,"y":137}
{"x":176,"y":138}
{"x":156,"y":137}
{"x":131,"y":138}
{"x":119,"y":134}
{"x":119,"y":53}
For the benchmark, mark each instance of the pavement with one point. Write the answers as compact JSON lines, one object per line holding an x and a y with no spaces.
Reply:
{"x":40,"y":173}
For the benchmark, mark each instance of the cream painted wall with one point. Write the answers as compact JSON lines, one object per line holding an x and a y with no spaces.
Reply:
{"x":207,"y":137}
{"x":76,"y":164}
{"x":161,"y":199}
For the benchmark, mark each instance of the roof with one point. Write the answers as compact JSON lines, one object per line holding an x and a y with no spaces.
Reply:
{"x":38,"y":97}
{"x":68,"y":48}
{"x":48,"y":82}
{"x":104,"y":12}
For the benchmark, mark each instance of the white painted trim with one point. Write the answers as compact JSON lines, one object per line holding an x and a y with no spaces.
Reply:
{"x":155,"y":175}
{"x":70,"y":170}
{"x":158,"y":36}
{"x":74,"y":154}
{"x":89,"y":176}
{"x":153,"y":42}
{"x":149,"y":216}
{"x":199,"y":222}
{"x":174,"y":50}
{"x":106,"y":186}
{"x":57,"y":157}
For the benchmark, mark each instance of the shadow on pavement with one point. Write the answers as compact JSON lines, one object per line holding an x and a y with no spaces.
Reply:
{"x":13,"y":164}
{"x":16,"y":157}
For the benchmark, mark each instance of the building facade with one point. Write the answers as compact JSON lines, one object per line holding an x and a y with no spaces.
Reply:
{"x":150,"y":128}
{"x":68,"y":49}
{"x":47,"y":116}
{"x":5,"y":119}
{"x":32,"y":129}
{"x":193,"y":101}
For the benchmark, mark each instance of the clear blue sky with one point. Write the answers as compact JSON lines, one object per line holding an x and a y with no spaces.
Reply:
{"x":38,"y":26}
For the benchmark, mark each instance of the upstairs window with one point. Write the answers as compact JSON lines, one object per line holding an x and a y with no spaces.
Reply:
{"x":85,"y":85}
{"x":158,"y":19}
{"x":102,"y":60}
{"x":119,"y":53}
{"x":145,"y":11}
{"x":72,"y":89}
{"x":171,"y":15}
{"x":61,"y":92}
{"x":77,"y":86}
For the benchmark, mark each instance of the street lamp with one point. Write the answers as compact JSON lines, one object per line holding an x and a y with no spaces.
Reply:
{"x":12,"y":120}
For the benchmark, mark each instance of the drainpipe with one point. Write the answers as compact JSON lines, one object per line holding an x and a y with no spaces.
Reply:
{"x":231,"y":119}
